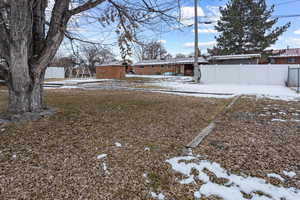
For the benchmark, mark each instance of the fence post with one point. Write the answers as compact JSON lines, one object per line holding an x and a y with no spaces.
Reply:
{"x":288,"y":79}
{"x":298,"y":80}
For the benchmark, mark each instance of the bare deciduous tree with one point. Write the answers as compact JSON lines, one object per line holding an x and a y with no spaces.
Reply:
{"x":29,"y":39}
{"x":180,"y":55}
{"x":95,"y":54}
{"x":151,"y":51}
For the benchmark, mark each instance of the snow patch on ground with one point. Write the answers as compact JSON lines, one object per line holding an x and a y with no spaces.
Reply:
{"x":145,"y":175}
{"x":69,"y":87}
{"x":155,"y":76}
{"x":285,"y":120}
{"x":159,"y":196}
{"x":105,"y":169}
{"x":276,"y":92}
{"x":277,"y":176}
{"x":101,"y":156}
{"x":290,"y":174}
{"x":227,"y":193}
{"x":76,"y":81}
{"x":232,"y":190}
{"x":103,"y":165}
{"x":118,"y":144}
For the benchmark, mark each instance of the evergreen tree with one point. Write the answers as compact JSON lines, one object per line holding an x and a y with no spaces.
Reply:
{"x":245,"y":27}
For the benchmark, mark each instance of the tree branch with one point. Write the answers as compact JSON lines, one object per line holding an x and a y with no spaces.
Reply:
{"x":88,"y":5}
{"x":55,"y":35}
{"x":70,"y":37}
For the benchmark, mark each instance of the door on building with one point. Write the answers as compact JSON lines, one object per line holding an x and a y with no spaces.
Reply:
{"x":189,"y":70}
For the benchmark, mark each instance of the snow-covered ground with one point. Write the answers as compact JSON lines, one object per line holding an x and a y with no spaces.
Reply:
{"x":236,"y":185}
{"x":76,"y":81}
{"x":148,"y":76}
{"x":270,"y":91}
{"x":163,"y":77}
{"x":208,"y":90}
{"x":185,"y":84}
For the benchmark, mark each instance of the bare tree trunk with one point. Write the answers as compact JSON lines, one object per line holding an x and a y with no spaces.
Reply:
{"x":25,"y":88}
{"x":25,"y":91}
{"x":30,"y":100}
{"x":30,"y":51}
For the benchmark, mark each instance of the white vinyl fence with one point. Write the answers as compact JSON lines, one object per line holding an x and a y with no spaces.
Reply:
{"x":55,"y":72}
{"x":247,"y":74}
{"x":294,"y":77}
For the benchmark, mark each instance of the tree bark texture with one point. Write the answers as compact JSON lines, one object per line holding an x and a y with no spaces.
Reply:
{"x":31,"y":50}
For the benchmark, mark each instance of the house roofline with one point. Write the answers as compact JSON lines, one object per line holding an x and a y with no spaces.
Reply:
{"x":170,"y":61}
{"x":235,"y":57}
{"x":285,"y":56}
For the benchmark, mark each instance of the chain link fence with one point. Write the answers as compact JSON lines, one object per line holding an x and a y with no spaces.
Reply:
{"x":294,"y":78}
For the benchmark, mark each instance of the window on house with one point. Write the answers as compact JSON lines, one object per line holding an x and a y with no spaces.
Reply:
{"x":291,"y":60}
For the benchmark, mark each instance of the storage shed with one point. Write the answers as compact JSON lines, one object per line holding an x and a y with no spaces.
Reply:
{"x":115,"y":70}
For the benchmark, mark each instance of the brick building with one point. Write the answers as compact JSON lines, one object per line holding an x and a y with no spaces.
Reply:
{"x":115,"y":70}
{"x":286,"y":56}
{"x":184,"y":66}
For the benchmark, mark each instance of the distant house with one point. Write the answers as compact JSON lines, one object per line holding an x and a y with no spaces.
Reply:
{"x":235,"y":59}
{"x":113,"y":70}
{"x":286,"y":56}
{"x":184,"y":66}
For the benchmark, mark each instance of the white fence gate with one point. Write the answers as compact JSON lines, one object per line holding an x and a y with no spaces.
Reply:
{"x":245,"y":74}
{"x":55,"y":72}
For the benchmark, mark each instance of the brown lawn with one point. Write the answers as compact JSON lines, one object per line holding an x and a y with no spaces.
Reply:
{"x":56,"y":157}
{"x":247,"y":140}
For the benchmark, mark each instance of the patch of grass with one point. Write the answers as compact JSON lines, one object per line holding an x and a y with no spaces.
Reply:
{"x":246,"y":196}
{"x":213,"y":178}
{"x":260,"y":193}
{"x":135,"y":79}
{"x":149,"y":87}
{"x":159,"y":182}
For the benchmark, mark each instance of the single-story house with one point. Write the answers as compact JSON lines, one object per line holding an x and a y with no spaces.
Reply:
{"x":184,"y":66}
{"x":286,"y":56}
{"x":235,"y":59}
{"x":113,"y":70}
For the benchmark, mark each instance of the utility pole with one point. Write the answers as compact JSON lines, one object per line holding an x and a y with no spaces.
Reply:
{"x":197,"y":72}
